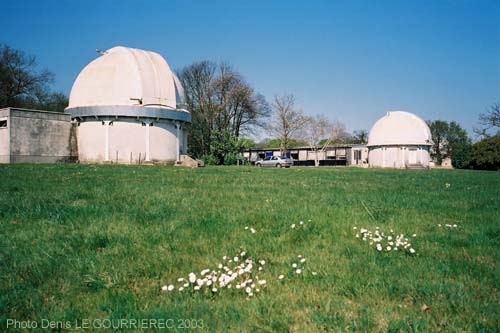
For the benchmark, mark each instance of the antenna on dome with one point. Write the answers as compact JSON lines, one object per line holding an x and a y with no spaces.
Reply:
{"x":100,"y":51}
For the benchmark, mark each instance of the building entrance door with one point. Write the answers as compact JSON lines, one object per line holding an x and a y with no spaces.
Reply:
{"x":412,"y":158}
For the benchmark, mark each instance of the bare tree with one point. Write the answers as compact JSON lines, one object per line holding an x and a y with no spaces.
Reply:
{"x":314,"y":131}
{"x":489,"y":120}
{"x":222,"y":105}
{"x":286,"y":121}
{"x":338,"y":133}
{"x":21,"y":84}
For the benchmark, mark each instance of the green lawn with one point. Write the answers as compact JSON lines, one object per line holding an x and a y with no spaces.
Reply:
{"x":98,"y":242}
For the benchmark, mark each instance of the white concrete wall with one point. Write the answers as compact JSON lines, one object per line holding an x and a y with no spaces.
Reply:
{"x":350,"y":156}
{"x":5,"y":138}
{"x":397,"y":156}
{"x":128,"y":137}
{"x":303,"y":155}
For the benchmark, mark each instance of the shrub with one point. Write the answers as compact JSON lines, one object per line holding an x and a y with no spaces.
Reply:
{"x":486,"y":154}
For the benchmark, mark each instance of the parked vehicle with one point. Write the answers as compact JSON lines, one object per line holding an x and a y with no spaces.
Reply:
{"x":275,"y":161}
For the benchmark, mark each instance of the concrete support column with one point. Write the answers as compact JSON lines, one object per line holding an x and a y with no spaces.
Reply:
{"x":177,"y":139}
{"x":148,"y":153}
{"x":106,"y":135}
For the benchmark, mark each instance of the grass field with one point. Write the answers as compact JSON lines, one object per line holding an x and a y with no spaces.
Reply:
{"x":98,"y":242}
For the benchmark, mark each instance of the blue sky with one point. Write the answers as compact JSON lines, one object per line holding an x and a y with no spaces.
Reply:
{"x":349,"y":60}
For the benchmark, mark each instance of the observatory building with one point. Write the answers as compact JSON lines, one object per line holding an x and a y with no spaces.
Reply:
{"x":128,"y":107}
{"x":399,"y":140}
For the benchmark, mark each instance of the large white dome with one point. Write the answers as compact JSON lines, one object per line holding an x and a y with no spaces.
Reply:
{"x":400,"y":128}
{"x":125,"y":76}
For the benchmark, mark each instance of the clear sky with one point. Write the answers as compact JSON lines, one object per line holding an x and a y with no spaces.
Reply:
{"x":349,"y":60}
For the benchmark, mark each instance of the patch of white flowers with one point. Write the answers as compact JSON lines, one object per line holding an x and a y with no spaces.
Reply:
{"x":237,"y":272}
{"x":448,"y":226}
{"x":240,"y":276}
{"x":297,"y":267}
{"x":386,"y":242}
{"x":252,"y":230}
{"x":301,"y":223}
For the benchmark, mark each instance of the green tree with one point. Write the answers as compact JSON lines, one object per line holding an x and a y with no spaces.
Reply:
{"x":292,"y":143}
{"x":246,"y":143}
{"x":486,"y":154}
{"x":360,"y":137}
{"x":224,"y":149}
{"x":439,"y":130}
{"x":459,"y":145}
{"x":450,"y":140}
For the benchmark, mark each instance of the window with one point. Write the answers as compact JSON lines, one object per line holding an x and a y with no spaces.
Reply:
{"x":3,"y":123}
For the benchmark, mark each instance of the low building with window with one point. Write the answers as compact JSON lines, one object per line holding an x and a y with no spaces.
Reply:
{"x":32,"y":136}
{"x":126,"y":106}
{"x":343,"y":154}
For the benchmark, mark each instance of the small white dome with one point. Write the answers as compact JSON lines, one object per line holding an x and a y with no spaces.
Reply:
{"x":127,"y":77}
{"x":400,"y":128}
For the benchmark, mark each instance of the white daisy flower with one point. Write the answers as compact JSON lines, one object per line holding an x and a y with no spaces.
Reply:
{"x":164,"y":288}
{"x":171,"y":287}
{"x":412,"y":250}
{"x":293,"y":226}
{"x":214,"y":290}
{"x":298,"y":271}
{"x":262,"y":262}
{"x":281,"y":277}
{"x":303,"y":260}
{"x":294,"y":265}
{"x":314,"y":273}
